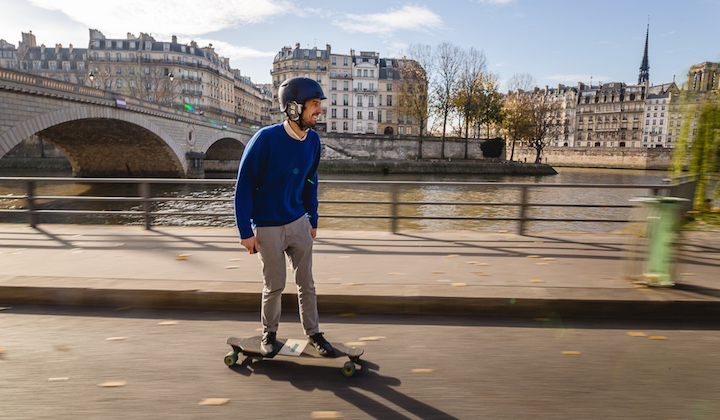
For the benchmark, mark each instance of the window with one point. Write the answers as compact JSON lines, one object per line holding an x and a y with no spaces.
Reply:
{"x":371,"y":115}
{"x":333,"y":126}
{"x":52,"y":65}
{"x":345,"y":113}
{"x":119,"y":84}
{"x":333,"y":60}
{"x":359,"y":73}
{"x":334,"y":85}
{"x":371,"y":101}
{"x":388,"y":98}
{"x":333,"y":113}
{"x":345,"y":61}
{"x":334,"y":99}
{"x":389,"y":87}
{"x":306,"y":65}
{"x":346,"y":85}
{"x":359,"y":101}
{"x":388,"y":116}
{"x":359,"y":115}
{"x":345,"y":126}
{"x":346,"y":100}
{"x":118,"y":57}
{"x":166,"y":47}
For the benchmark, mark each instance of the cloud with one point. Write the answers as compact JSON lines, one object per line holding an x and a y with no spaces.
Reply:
{"x":409,"y":18}
{"x":233,"y":52}
{"x":164,"y":17}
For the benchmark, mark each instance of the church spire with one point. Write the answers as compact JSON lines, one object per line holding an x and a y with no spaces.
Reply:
{"x":645,"y":66}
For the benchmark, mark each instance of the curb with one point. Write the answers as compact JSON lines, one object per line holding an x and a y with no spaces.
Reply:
{"x":364,"y":304}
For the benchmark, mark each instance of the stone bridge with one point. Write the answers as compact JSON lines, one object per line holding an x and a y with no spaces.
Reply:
{"x":105,"y":135}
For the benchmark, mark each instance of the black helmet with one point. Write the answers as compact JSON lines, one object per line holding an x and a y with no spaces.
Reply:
{"x":293,"y":93}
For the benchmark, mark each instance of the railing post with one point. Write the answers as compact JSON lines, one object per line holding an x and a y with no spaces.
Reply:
{"x":32,"y":209}
{"x":394,"y":195}
{"x":145,"y":194}
{"x":523,"y":207}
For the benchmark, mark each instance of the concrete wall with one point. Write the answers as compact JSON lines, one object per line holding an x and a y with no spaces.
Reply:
{"x":600,"y":157}
{"x":381,"y":147}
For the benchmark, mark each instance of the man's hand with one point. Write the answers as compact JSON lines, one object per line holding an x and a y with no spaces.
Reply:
{"x":250,"y":244}
{"x":313,"y":232}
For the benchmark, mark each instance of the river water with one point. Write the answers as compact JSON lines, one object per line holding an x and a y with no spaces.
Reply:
{"x":374,"y":192}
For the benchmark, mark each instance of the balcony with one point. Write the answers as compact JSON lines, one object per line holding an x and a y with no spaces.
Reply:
{"x":369,"y":90}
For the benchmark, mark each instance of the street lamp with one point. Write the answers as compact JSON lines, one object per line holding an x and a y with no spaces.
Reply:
{"x":172,"y":90}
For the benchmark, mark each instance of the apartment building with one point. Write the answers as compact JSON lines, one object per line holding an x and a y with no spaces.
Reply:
{"x":291,"y":62}
{"x":168,"y":73}
{"x":365,"y":71}
{"x":657,"y":116}
{"x":164,"y":72}
{"x":361,"y":89}
{"x":339,"y":105}
{"x":610,"y":115}
{"x":566,"y":99}
{"x":388,"y":80}
{"x":67,"y":64}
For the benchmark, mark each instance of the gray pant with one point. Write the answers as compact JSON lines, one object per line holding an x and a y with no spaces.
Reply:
{"x":274,"y":242}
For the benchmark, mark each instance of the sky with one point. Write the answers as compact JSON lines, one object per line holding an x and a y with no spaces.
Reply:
{"x":554,"y":41}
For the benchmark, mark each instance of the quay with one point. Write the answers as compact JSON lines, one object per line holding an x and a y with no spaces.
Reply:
{"x":453,"y":273}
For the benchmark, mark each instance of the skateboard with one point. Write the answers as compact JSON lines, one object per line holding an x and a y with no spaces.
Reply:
{"x":250,"y":347}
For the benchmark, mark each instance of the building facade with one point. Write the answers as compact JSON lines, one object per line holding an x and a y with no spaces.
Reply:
{"x":169,"y":73}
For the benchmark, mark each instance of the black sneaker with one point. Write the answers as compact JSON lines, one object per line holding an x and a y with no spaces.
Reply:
{"x":268,"y":345}
{"x":321,"y":345}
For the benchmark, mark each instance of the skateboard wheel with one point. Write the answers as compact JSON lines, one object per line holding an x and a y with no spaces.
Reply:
{"x":348,"y":369}
{"x":231,"y":359}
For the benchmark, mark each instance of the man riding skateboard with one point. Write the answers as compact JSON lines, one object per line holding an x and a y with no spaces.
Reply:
{"x":276,"y":207}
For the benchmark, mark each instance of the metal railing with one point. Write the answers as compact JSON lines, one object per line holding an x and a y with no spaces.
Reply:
{"x":147,"y":213}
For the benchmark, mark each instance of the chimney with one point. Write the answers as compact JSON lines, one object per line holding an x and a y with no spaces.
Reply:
{"x":42,"y":48}
{"x":297,"y":45}
{"x":174,"y":39}
{"x":57,"y":48}
{"x":70,"y":47}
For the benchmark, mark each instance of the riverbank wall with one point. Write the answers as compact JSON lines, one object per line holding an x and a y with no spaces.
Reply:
{"x":600,"y":157}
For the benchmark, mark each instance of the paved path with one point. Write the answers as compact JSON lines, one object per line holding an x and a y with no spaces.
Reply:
{"x":433,"y":273}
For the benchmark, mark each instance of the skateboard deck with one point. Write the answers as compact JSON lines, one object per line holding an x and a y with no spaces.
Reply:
{"x":250,"y":347}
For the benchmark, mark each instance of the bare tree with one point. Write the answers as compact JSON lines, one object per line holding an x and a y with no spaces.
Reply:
{"x":413,"y":87}
{"x":448,"y":67}
{"x":467,"y":90}
{"x":544,"y":124}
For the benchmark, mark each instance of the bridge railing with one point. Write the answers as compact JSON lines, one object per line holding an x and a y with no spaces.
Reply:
{"x":32,"y":209}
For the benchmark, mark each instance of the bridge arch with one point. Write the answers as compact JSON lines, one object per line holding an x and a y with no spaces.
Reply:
{"x":104,"y":141}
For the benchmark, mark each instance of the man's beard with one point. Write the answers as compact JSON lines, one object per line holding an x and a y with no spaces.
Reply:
{"x":307,"y":122}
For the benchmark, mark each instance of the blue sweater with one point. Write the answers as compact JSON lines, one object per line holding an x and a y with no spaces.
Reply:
{"x":277,"y":180}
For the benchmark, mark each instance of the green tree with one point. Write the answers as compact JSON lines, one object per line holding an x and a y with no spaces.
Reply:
{"x":702,"y":157}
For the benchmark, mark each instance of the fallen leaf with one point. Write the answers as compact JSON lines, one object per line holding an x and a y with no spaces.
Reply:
{"x":182,"y":257}
{"x":374,"y":338}
{"x":658,"y":337}
{"x":112,"y":384}
{"x":636,"y":334}
{"x":480,"y":273}
{"x":437,"y":272}
{"x":536,"y":281}
{"x":168,"y":323}
{"x":58,"y":379}
{"x":459,"y":284}
{"x":549,"y":259}
{"x":396,"y":274}
{"x":355,"y":343}
{"x":571,"y":352}
{"x":348,"y":315}
{"x":230,"y":267}
{"x":116,"y":338}
{"x":533,"y":256}
{"x":542,"y":263}
{"x":326,"y":414}
{"x":214,"y":401}
{"x":422,"y":370}
{"x":452,"y":256}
